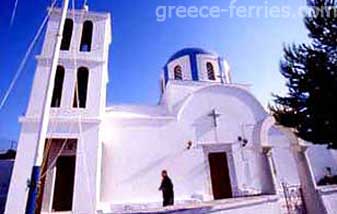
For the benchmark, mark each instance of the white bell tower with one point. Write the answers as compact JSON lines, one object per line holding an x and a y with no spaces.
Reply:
{"x":78,"y":103}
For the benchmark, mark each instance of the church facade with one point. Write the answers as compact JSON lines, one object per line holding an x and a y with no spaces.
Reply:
{"x":219,"y":145}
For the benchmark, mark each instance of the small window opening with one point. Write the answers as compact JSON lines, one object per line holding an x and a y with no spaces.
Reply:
{"x":67,"y":33}
{"x":178,"y":73}
{"x":58,"y":86}
{"x":81,"y":88}
{"x":86,"y":39}
{"x":210,"y":71}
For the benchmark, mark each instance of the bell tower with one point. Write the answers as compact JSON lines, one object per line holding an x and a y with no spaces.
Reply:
{"x":78,"y":102}
{"x":82,"y":74}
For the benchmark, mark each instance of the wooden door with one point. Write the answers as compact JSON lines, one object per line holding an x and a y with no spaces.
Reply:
{"x":64,"y":183}
{"x":221,"y":184}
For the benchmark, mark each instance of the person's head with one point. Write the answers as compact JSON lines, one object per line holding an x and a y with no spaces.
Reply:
{"x":164,"y":173}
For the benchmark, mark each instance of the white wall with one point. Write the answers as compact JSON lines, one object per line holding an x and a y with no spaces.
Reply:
{"x":101,"y":35}
{"x":136,"y":150}
{"x":16,"y":201}
{"x":329,"y":197}
{"x":185,"y":64}
{"x":202,"y":60}
{"x":64,"y":121}
{"x":133,"y":157}
{"x":320,"y":158}
{"x":284,"y":160}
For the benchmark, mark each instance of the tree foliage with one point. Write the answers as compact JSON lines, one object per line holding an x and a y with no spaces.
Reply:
{"x":310,"y":106}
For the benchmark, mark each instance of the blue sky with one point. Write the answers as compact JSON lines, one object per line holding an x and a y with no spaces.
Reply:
{"x":141,"y":46}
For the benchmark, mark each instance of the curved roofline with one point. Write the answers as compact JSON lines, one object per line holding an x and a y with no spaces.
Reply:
{"x":189,"y":51}
{"x":260,"y":110}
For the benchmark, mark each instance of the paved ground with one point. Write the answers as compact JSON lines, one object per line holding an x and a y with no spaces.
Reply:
{"x":202,"y":207}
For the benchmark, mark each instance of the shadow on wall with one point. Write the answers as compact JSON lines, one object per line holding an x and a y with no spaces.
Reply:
{"x":149,"y":167}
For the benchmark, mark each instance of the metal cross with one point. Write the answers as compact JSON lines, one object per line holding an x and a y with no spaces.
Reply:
{"x":221,"y":76}
{"x":214,"y":116}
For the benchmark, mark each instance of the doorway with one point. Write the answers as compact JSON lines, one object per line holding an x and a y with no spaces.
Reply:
{"x":64,"y":183}
{"x":220,"y":179}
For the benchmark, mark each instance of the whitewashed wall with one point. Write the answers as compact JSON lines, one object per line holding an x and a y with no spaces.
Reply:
{"x":286,"y":171}
{"x":328,"y":196}
{"x":320,"y":158}
{"x":64,"y":121}
{"x":135,"y":150}
{"x":202,"y":60}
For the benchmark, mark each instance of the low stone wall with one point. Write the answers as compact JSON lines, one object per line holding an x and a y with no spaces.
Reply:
{"x":328,"y":196}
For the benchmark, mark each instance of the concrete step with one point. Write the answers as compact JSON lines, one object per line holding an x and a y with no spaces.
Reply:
{"x":247,"y":205}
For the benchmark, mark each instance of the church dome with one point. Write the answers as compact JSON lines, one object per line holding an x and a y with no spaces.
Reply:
{"x":196,"y":64}
{"x":189,"y":51}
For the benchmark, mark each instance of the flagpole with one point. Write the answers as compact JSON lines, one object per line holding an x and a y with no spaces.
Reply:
{"x":44,"y":120}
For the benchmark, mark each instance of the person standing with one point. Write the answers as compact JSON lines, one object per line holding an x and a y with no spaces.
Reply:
{"x":166,"y":187}
{"x":329,"y":178}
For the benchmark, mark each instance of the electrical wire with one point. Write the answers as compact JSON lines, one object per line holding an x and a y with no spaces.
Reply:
{"x":25,"y":58}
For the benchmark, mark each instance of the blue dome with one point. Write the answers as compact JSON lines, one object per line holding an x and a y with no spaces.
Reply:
{"x":192,"y":54}
{"x":189,"y":52}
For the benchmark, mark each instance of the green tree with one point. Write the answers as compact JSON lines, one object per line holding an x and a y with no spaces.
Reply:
{"x":310,"y":106}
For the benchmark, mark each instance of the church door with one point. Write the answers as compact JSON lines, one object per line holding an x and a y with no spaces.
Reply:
{"x":64,"y":183}
{"x":220,"y":175}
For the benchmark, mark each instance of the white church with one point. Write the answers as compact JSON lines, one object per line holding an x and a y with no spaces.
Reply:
{"x":221,"y":148}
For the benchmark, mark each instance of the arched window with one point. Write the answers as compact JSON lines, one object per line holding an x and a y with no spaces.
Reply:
{"x":86,"y":36}
{"x":81,"y":88}
{"x":67,"y":33}
{"x":162,"y":86}
{"x":210,"y":71}
{"x":178,"y":73}
{"x":58,"y":86}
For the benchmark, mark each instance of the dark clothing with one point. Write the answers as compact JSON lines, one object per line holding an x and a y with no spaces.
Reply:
{"x":328,"y":180}
{"x":167,"y":188}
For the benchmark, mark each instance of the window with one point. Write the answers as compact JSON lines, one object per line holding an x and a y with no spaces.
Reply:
{"x":58,"y":86}
{"x":67,"y":33}
{"x":86,"y":36}
{"x":162,"y":86}
{"x":210,"y":71}
{"x":177,"y":73}
{"x":81,"y":88}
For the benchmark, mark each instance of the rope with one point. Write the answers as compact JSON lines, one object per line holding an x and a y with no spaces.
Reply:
{"x":25,"y":58}
{"x":85,"y":3}
{"x":14,"y":12}
{"x":53,"y":162}
{"x":82,"y":142}
{"x":22,"y":64}
{"x":49,"y":142}
{"x":43,"y":165}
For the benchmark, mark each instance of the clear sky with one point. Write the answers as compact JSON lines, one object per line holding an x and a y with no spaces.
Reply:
{"x":141,"y":45}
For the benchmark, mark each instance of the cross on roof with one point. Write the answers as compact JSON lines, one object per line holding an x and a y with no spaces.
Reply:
{"x":214,"y":116}
{"x":221,"y":76}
